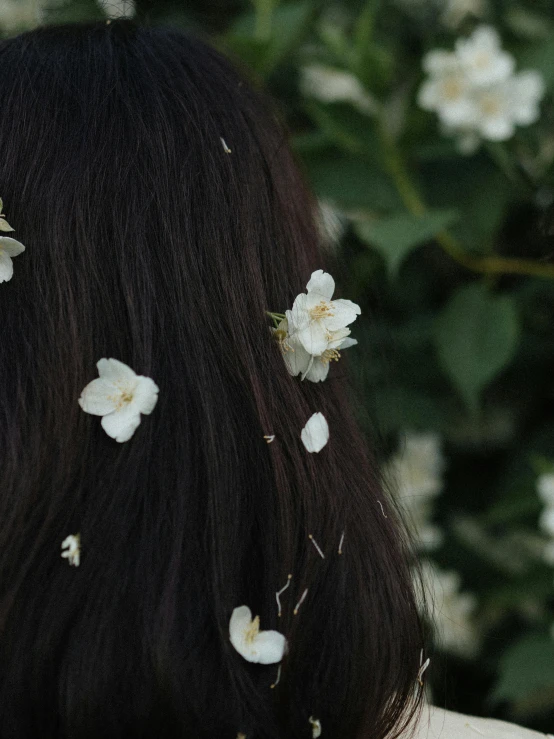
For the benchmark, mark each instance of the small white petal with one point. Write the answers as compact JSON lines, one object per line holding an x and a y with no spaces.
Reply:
{"x":115,"y":371}
{"x":345,"y":312}
{"x":121,"y":425}
{"x":5,"y":226}
{"x":99,"y":397}
{"x":265,"y":647}
{"x":12,"y":247}
{"x":313,"y":338}
{"x":318,"y":371}
{"x":315,"y":433}
{"x":6,"y":267}
{"x":347,"y":343}
{"x":321,"y":283}
{"x":146,"y":395}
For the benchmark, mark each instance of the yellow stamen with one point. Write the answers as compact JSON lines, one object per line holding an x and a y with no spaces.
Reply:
{"x":321,"y":310}
{"x":330,"y":355}
{"x":252,"y":631}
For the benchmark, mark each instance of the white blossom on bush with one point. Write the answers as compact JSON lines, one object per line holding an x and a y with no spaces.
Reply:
{"x":414,"y":475}
{"x":476,"y":93}
{"x":451,"y":611}
{"x":334,"y":86}
{"x":545,"y":491}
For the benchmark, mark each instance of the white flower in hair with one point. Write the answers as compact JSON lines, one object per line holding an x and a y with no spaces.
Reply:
{"x":315,"y":318}
{"x":316,"y":727}
{"x":9,"y":248}
{"x":299,"y":362}
{"x":72,"y":545}
{"x":315,"y":433}
{"x":263,"y":647}
{"x":119,"y":395}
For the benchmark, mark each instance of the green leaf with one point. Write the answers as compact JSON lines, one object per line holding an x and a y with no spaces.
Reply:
{"x":527,"y":667}
{"x":350,"y":182}
{"x":476,"y":337}
{"x":397,"y":235}
{"x":287,"y":25}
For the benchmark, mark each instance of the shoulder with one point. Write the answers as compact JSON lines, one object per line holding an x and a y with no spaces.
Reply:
{"x":436,"y":723}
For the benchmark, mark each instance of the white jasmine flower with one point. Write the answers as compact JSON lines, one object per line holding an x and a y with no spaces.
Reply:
{"x":9,"y":248}
{"x":482,"y":58}
{"x":118,"y":8}
{"x":475,"y":92}
{"x":333,"y":86}
{"x":315,"y":318}
{"x":72,"y":545}
{"x":316,"y":727}
{"x":447,"y":92}
{"x":119,"y":396}
{"x":315,"y":433}
{"x":415,"y":476}
{"x":299,"y":362}
{"x":264,"y":647}
{"x":453,"y":623}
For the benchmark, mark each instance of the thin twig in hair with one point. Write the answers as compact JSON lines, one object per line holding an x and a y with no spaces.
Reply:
{"x":225,"y":147}
{"x":278,"y":678}
{"x":316,"y":545}
{"x":340,"y":543}
{"x":304,"y":594}
{"x":279,"y":592}
{"x":269,"y":438}
{"x":382,"y":509}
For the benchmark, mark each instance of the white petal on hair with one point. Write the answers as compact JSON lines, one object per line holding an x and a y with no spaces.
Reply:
{"x":121,"y":425}
{"x":12,"y":247}
{"x":6,"y":268}
{"x":321,"y":283}
{"x":8,"y":248}
{"x":72,"y":545}
{"x":120,"y":396}
{"x":315,"y":433}
{"x":263,"y":647}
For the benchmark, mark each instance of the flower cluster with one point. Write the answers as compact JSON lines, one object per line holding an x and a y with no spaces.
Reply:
{"x":415,"y":476}
{"x":313,"y":333}
{"x":476,"y":93}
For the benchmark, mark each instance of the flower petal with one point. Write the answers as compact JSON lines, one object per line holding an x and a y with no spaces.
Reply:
{"x":321,"y":283}
{"x":99,"y":397}
{"x":296,"y":358}
{"x":315,"y":433}
{"x":115,"y":371}
{"x":318,"y":371}
{"x":345,"y":311}
{"x":346,"y":343}
{"x":6,"y":267}
{"x":11,"y":246}
{"x":313,"y":338}
{"x":121,"y":425}
{"x":298,"y":317}
{"x":5,"y":226}
{"x":145,"y":395}
{"x":269,"y":647}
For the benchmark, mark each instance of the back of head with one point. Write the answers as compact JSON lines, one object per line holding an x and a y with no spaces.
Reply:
{"x":147,"y":241}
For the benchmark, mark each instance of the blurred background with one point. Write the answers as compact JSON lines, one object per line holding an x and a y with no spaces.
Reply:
{"x":426,"y":130}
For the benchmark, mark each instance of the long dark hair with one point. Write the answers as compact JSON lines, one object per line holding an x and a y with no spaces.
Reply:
{"x":147,"y":242}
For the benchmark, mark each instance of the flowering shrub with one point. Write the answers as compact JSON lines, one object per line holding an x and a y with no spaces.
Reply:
{"x":426,"y":129}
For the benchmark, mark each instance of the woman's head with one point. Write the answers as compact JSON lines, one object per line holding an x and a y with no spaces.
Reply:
{"x":149,"y":242}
